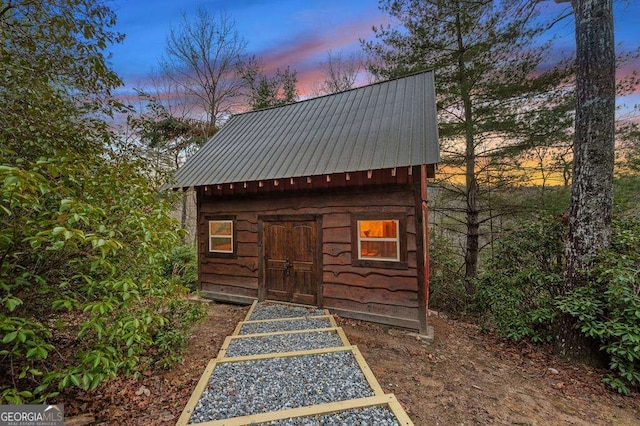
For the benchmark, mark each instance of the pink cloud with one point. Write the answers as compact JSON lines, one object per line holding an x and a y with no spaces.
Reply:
{"x":305,"y":53}
{"x":626,"y":73}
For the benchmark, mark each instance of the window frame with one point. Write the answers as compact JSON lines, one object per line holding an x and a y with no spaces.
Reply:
{"x":356,"y":241}
{"x":395,"y":239}
{"x":207,"y":234}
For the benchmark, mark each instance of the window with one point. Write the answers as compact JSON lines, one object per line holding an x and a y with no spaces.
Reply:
{"x":379,"y":240}
{"x":221,"y":236}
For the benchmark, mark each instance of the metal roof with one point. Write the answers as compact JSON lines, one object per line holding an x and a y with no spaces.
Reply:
{"x":382,"y":125}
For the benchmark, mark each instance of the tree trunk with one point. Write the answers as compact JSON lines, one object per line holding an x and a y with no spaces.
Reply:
{"x":471,"y":183}
{"x":183,"y":217}
{"x":592,"y":188}
{"x":473,"y":247}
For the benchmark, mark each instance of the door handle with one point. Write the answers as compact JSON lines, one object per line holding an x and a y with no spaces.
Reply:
{"x":287,"y":265}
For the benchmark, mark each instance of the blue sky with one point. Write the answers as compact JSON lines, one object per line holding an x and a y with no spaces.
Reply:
{"x":281,"y":32}
{"x":295,"y":33}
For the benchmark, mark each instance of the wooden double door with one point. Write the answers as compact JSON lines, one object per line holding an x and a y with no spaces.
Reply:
{"x":290,"y":250}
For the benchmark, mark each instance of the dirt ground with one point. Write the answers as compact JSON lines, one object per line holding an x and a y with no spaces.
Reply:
{"x":463,"y":377}
{"x":469,"y":377}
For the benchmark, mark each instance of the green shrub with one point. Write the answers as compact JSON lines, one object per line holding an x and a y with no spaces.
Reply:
{"x":516,"y":292}
{"x":626,"y":195}
{"x":182,"y":266}
{"x":83,"y":232}
{"x":86,"y":251}
{"x":446,"y":283}
{"x":608,"y":308}
{"x":172,"y":336}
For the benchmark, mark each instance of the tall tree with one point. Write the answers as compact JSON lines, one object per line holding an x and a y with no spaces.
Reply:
{"x":71,"y":68}
{"x":493,"y":101}
{"x":593,"y":147}
{"x":266,"y":92}
{"x":340,"y":72}
{"x":202,"y":57}
{"x":167,"y":138}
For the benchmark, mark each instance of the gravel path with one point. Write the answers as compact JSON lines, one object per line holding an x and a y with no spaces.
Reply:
{"x":376,"y":416}
{"x":289,"y":325}
{"x":264,"y":385}
{"x":283,"y":343}
{"x":251,"y":387}
{"x":264,"y":311}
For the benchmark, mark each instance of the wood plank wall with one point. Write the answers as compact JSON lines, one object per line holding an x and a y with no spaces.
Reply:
{"x":379,"y":294}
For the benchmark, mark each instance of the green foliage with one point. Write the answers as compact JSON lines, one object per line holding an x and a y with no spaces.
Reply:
{"x":182,"y":266}
{"x":267,"y":92}
{"x":446,"y":283}
{"x":608,"y":308}
{"x":94,"y":247}
{"x":552,"y":200}
{"x":172,"y":337}
{"x":626,"y":193}
{"x":83,"y":236}
{"x":173,"y":138}
{"x":494,"y":103}
{"x":516,"y":292}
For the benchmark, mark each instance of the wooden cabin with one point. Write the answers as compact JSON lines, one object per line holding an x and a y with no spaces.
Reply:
{"x":322,"y":202}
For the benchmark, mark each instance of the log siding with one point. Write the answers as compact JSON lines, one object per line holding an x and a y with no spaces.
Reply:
{"x":374,"y":292}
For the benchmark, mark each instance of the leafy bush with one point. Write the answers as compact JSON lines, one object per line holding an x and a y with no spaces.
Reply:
{"x":83,"y":234}
{"x":446,"y":283}
{"x":516,"y":293}
{"x":608,"y":308}
{"x":173,"y":335}
{"x":95,"y":249}
{"x":626,"y":195}
{"x":182,"y":266}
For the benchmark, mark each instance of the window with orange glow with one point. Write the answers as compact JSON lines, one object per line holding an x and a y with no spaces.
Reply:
{"x":379,"y":240}
{"x":221,"y":236}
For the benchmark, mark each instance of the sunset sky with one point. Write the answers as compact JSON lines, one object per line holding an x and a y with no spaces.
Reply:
{"x":295,"y":33}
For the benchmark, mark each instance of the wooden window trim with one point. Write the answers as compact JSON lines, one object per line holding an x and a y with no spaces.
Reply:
{"x":234,"y":237}
{"x":402,"y":263}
